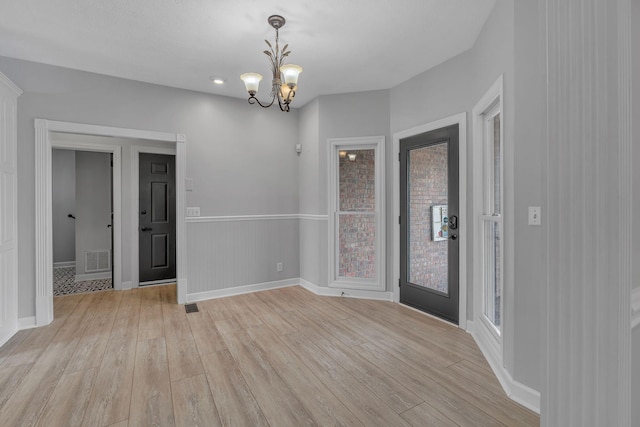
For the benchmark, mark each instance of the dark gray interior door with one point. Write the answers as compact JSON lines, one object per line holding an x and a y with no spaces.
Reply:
{"x":157,"y":216}
{"x":429,"y":244}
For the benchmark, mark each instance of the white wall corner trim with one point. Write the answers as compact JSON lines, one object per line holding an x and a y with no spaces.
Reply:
{"x":10,"y":85}
{"x":516,"y":391}
{"x":635,"y":308}
{"x":239,"y":290}
{"x":27,"y":322}
{"x":347,"y":293}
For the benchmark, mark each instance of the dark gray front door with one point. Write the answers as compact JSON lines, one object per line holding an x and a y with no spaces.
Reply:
{"x":429,"y":244}
{"x":157,"y":217}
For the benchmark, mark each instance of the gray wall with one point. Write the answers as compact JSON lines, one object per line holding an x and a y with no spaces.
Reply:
{"x":240,"y":157}
{"x":331,"y":116}
{"x":635,"y":123}
{"x":93,"y":205}
{"x":456,"y":86}
{"x":63,"y":203}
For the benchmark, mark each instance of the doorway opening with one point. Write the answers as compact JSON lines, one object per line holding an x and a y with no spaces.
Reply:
{"x":82,"y":216}
{"x":429,"y":211}
{"x":440,"y":209}
{"x":46,"y":131}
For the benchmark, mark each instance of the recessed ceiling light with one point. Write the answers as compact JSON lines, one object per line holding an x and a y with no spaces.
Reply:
{"x":217,"y":80}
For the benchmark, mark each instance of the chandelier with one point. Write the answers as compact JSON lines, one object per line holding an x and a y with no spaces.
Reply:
{"x":284,"y":93}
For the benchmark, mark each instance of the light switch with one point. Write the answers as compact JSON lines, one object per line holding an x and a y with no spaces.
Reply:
{"x":534,"y":215}
{"x":193,"y":211}
{"x":188,"y":184}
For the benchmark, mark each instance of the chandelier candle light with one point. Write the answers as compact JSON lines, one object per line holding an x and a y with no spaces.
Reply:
{"x":284,"y":93}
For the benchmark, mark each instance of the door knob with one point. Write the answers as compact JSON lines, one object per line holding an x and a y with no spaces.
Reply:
{"x":453,"y":236}
{"x":146,"y":229}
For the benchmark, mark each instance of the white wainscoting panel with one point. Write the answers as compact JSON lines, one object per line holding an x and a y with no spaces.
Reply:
{"x":313,"y":248}
{"x":230,"y":252}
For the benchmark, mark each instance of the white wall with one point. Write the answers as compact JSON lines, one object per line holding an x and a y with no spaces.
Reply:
{"x":241,"y":158}
{"x":63,"y":203}
{"x":93,"y":205}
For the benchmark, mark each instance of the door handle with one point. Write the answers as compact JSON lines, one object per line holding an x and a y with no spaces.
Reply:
{"x":146,"y":229}
{"x":453,"y":237}
{"x":453,"y":222}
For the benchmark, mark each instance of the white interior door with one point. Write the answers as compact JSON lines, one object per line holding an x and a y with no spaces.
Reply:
{"x":8,"y":209}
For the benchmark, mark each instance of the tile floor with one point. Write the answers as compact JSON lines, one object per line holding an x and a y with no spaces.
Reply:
{"x":64,"y":283}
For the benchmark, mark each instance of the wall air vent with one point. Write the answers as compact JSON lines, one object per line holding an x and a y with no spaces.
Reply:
{"x":97,"y":261}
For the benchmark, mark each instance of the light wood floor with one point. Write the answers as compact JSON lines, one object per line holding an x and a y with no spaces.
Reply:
{"x":283,"y":357}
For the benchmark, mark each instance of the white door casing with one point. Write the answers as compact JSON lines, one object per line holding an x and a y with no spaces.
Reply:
{"x":44,"y":257}
{"x":9,"y":94}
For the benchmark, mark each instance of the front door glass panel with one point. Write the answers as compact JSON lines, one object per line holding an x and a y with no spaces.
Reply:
{"x":428,"y":217}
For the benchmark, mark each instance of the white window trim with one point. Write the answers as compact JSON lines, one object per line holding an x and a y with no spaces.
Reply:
{"x":490,"y":341}
{"x":334,"y":146}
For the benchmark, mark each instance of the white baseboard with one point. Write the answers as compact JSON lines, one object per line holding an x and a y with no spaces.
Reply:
{"x":26,"y":322}
{"x":127,"y":285}
{"x":64,"y":264}
{"x":518,"y":392}
{"x":635,"y":307}
{"x":349,"y":293}
{"x":239,"y":290}
{"x":93,"y":276}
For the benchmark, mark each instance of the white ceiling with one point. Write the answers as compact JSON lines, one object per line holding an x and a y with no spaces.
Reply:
{"x":343,"y":45}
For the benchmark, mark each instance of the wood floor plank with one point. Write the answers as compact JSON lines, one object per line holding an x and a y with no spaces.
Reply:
{"x":193,"y":403}
{"x":90,"y":349}
{"x":399,"y":341}
{"x":10,"y":379}
{"x":234,"y":400}
{"x":447,"y":403}
{"x":323,"y":406}
{"x":111,"y":395}
{"x":182,"y":352}
{"x":69,"y":400}
{"x":398,"y":397}
{"x":14,"y":342}
{"x":205,"y":334}
{"x":151,"y":323}
{"x":151,"y":402}
{"x":28,"y":400}
{"x":424,"y":415}
{"x":276,"y":400}
{"x":277,"y":357}
{"x":370,"y":410}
